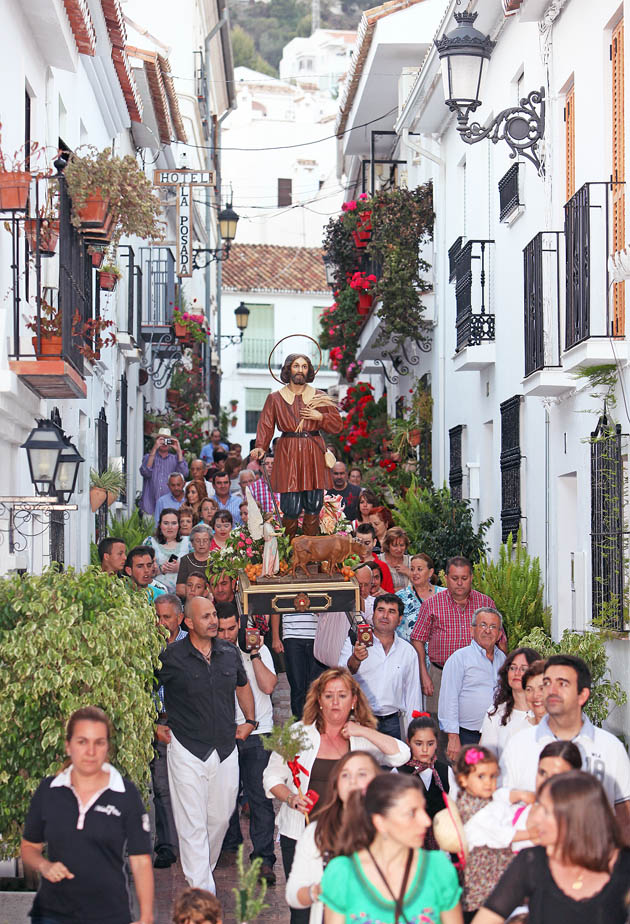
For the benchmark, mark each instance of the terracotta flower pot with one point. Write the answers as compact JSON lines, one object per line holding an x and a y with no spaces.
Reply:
{"x":50,"y":345}
{"x":14,"y":190}
{"x":112,"y":497}
{"x":94,"y":212}
{"x":108,"y":281}
{"x":98,"y":496}
{"x":181,"y":332}
{"x":357,"y":240}
{"x":414,"y":437}
{"x":172,"y":396}
{"x":97,"y":258}
{"x":48,"y":236}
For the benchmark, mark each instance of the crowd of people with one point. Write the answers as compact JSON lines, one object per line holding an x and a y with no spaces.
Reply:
{"x":415,"y":708}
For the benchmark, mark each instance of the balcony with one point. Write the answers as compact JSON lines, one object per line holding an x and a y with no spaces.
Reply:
{"x":474,"y":324}
{"x":51,"y":363}
{"x":592,"y":323}
{"x":255,"y":354}
{"x":543,"y":299}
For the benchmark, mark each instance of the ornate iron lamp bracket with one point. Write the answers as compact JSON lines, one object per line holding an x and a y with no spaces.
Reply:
{"x":521,"y":127}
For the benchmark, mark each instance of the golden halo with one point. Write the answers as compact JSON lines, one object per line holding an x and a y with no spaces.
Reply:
{"x":288,"y":337}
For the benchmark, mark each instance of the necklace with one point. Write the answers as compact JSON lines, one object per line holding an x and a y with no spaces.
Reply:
{"x":579,"y":882}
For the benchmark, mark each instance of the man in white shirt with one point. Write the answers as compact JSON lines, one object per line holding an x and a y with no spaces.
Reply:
{"x":388,"y":671}
{"x":567,"y":686}
{"x":252,"y":757}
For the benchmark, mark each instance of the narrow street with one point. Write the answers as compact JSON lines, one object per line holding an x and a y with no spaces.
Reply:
{"x":170,"y":882}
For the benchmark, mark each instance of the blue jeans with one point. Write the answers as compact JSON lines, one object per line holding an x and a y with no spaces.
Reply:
{"x":302,"y":669}
{"x":389,"y":725}
{"x":468,"y":736}
{"x":252,"y":760}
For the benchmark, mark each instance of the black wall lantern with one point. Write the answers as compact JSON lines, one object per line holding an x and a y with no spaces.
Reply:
{"x":464,"y":53}
{"x":242,"y":319}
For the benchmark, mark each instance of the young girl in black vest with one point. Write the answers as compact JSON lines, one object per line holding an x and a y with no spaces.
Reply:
{"x":436,"y":777}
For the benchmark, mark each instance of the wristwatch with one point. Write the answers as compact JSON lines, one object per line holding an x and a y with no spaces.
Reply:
{"x":256,"y":655}
{"x":252,"y":723}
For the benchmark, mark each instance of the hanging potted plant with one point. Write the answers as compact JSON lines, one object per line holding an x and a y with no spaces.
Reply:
{"x":362,"y":285}
{"x":50,"y":340}
{"x":189,"y":327}
{"x":48,"y":235}
{"x":108,"y":277}
{"x":233,"y":405}
{"x":233,"y":421}
{"x":89,"y":339}
{"x":15,"y":178}
{"x":97,"y":254}
{"x":105,"y":487}
{"x":112,"y":193}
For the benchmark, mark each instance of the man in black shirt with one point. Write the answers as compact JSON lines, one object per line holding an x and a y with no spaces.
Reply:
{"x":349,"y":492}
{"x":200,"y":675}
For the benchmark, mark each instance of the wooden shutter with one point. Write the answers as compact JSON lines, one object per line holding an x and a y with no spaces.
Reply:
{"x":618,"y":174}
{"x":284,"y":192}
{"x":569,"y":129}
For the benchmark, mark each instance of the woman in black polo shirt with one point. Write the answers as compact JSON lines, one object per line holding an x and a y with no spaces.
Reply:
{"x":89,"y":817}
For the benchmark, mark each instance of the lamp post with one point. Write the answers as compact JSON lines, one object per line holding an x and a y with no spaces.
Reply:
{"x":228,"y":220}
{"x":44,"y":446}
{"x":242,"y":319}
{"x":67,"y":471}
{"x":329,"y":268}
{"x":464,"y":54}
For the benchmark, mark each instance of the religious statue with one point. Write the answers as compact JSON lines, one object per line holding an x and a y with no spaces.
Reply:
{"x":300,"y":471}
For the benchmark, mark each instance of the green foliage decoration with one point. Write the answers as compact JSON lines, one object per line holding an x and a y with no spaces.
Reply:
{"x":288,"y":740}
{"x":67,"y":640}
{"x":132,"y":530}
{"x":515,"y":584}
{"x":591,"y":648}
{"x":250,"y":891}
{"x":440,"y":526}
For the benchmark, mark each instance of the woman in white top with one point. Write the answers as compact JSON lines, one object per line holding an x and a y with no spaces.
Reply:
{"x":336,"y":719}
{"x":318,"y":843}
{"x":510,"y":713}
{"x":169,"y":546}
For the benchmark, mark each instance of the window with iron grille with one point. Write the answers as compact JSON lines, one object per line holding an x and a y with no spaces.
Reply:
{"x":102,"y":456}
{"x":453,"y":255}
{"x":285,"y":192}
{"x":124,"y":411}
{"x":577,"y":232}
{"x":508,"y":193}
{"x":455,"y":472}
{"x":510,"y":463}
{"x":608,"y":532}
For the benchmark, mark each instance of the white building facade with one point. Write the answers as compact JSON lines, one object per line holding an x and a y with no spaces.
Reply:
{"x":83,"y":73}
{"x":522,"y":297}
{"x":320,"y":61}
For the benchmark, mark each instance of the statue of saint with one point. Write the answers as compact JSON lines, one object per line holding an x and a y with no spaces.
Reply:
{"x":301,"y":414}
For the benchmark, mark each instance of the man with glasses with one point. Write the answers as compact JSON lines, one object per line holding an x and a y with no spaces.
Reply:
{"x":469,"y":680}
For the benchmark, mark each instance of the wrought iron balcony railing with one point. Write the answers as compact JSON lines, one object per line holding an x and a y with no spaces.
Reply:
{"x":543,"y":295}
{"x":473,"y":322}
{"x":588,"y":234}
{"x":255,"y":354}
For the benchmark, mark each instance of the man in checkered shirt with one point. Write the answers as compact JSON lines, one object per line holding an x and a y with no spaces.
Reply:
{"x":260,"y":489}
{"x":444,"y":625}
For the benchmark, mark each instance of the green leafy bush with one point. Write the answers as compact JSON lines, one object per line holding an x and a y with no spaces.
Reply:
{"x":69,"y":640}
{"x":440,"y":526}
{"x":514,"y":583}
{"x":131,"y":530}
{"x":591,"y":648}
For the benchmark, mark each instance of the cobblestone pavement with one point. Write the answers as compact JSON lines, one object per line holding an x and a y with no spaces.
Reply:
{"x":169,"y":882}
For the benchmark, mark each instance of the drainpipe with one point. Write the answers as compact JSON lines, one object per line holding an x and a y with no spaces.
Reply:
{"x":418,"y":148}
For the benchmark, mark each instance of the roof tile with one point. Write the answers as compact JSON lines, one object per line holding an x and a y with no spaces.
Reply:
{"x":273,"y":268}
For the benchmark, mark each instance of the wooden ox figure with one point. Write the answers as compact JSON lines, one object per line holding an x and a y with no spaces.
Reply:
{"x":333,"y":549}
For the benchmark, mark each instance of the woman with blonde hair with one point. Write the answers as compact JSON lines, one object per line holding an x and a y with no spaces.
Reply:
{"x":195,"y":494}
{"x":336,"y":719}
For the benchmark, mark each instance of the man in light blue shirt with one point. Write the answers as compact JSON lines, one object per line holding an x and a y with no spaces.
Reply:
{"x":224,"y":499}
{"x":174,"y":499}
{"x":469,"y":680}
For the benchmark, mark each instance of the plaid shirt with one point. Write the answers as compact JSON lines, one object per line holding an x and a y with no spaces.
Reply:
{"x":445,"y":625}
{"x":262,"y":495}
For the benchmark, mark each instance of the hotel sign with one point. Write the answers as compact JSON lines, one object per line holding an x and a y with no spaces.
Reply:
{"x":184,"y":181}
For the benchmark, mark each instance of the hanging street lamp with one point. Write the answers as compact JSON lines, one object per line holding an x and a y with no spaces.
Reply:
{"x":43,"y":449}
{"x":464,"y":54}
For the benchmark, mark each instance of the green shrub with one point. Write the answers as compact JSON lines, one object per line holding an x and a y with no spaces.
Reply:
{"x":591,"y":648}
{"x":440,"y":526}
{"x":514,"y":583}
{"x":69,"y":640}
{"x":132,"y":530}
